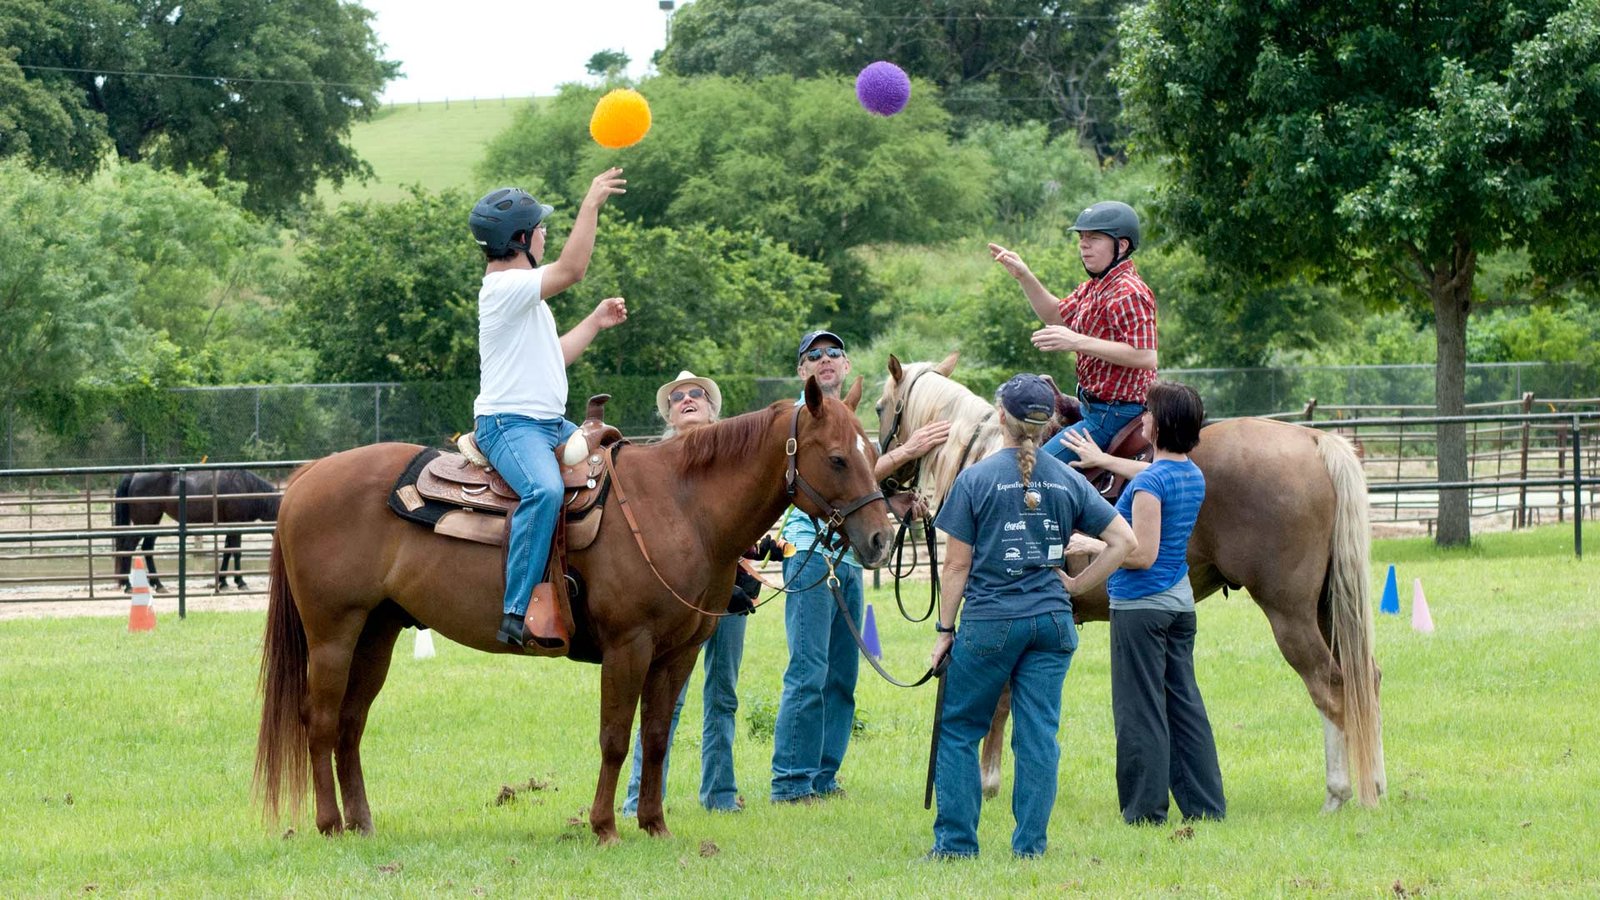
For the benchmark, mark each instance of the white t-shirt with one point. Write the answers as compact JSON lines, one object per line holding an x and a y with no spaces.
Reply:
{"x":520,"y":367}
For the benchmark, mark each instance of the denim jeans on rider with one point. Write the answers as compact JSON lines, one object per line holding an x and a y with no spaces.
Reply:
{"x":522,"y":450}
{"x":721,"y":656}
{"x":1101,"y":422}
{"x":1033,"y":654}
{"x":818,"y":705}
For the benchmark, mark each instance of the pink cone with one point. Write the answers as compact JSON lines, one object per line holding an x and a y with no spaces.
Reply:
{"x":1421,"y":620}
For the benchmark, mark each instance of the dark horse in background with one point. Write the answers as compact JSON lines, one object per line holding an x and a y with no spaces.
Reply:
{"x":213,"y":496}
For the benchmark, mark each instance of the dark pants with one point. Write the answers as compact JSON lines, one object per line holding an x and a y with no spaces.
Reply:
{"x":1164,"y":739}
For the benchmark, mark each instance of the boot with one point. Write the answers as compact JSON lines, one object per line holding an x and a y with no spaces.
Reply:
{"x":512,"y":631}
{"x":544,"y":626}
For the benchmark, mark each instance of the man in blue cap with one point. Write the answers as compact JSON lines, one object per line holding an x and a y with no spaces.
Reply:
{"x":817,"y":708}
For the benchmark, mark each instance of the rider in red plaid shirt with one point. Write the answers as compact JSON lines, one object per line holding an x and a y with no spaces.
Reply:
{"x":1109,"y":321}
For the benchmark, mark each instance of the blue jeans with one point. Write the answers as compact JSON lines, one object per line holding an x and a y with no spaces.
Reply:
{"x":1032,"y":654}
{"x":1101,"y":422}
{"x":818,"y":706}
{"x":522,"y":450}
{"x":722,"y":653}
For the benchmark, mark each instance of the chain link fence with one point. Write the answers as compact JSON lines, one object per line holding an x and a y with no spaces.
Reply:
{"x":303,"y":421}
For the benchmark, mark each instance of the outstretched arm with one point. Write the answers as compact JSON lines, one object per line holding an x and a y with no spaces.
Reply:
{"x":1120,"y":541}
{"x":1045,"y":305}
{"x":1090,"y":456}
{"x":574,"y":262}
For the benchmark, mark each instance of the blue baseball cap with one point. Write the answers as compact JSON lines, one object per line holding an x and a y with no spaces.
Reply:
{"x":1028,"y":398}
{"x":812,"y":337}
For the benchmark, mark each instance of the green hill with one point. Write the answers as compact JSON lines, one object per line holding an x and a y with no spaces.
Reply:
{"x":436,"y":145}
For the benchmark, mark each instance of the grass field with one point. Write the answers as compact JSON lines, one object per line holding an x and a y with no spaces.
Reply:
{"x":436,"y":145}
{"x":127,"y":758}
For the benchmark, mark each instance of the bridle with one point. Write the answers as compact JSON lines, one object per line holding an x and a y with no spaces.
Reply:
{"x":792,"y":481}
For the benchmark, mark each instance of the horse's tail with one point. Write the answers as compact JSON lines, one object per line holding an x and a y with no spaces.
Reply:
{"x":282,"y":745}
{"x":1347,"y":594}
{"x":119,"y":506}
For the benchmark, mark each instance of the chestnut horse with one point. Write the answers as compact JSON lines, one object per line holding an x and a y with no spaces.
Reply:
{"x":1285,"y":516}
{"x":348,"y":575}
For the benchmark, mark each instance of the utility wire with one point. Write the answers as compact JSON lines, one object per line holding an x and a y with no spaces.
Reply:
{"x":232,"y":78}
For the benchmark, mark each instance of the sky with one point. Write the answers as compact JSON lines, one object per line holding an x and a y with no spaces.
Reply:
{"x":459,"y":49}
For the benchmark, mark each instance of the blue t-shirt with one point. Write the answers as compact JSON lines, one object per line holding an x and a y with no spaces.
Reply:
{"x":1181,"y":488}
{"x":1016,"y":550}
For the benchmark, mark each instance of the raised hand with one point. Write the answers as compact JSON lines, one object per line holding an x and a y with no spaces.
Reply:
{"x":604,"y":186}
{"x":1009,"y":258}
{"x":1090,"y":456}
{"x":1057,"y":338}
{"x":610,"y":312}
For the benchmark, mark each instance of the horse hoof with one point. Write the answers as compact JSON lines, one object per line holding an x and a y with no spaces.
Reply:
{"x":1333,"y":804}
{"x":657,"y":830}
{"x":608,"y":839}
{"x":362,"y":828}
{"x":330,"y":829}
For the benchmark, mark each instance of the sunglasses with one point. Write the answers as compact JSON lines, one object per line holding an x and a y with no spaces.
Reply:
{"x":692,"y":394}
{"x":817,"y":353}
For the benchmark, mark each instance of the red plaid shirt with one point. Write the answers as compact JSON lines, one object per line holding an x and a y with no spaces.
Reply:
{"x":1115,"y":307}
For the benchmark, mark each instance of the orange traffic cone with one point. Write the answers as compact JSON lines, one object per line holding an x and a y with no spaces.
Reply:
{"x":141,"y":615}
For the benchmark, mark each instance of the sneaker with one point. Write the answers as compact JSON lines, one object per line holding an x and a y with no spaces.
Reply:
{"x":837,"y":793}
{"x":935,"y":856}
{"x":802,"y":800}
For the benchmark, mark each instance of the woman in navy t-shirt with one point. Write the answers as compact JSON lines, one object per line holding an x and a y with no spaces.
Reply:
{"x":1008,"y":519}
{"x":1164,"y":740}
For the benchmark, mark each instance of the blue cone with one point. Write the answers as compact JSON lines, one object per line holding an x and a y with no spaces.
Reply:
{"x":869,"y":635}
{"x":1391,"y":596}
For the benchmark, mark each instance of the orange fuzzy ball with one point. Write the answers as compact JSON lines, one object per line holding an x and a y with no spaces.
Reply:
{"x":620,"y":119}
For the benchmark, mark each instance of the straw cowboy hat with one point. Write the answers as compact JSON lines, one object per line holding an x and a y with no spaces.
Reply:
{"x":713,"y":393}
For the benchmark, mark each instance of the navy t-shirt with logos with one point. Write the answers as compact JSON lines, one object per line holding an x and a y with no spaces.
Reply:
{"x":1016,"y":550}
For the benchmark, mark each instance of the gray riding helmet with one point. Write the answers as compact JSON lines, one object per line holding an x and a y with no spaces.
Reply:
{"x":501,"y":215}
{"x":1110,"y":217}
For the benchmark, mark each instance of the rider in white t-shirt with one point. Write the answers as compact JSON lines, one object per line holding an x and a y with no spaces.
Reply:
{"x":522,"y":395}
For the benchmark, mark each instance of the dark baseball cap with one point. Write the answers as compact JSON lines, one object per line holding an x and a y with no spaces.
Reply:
{"x":812,"y":337}
{"x":1028,"y":398}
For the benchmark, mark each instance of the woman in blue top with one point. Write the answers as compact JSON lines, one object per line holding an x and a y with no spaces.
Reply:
{"x":1164,"y":740}
{"x":1008,"y":519}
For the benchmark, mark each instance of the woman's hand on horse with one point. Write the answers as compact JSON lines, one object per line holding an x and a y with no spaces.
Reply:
{"x":605,"y":185}
{"x":1009,"y":258}
{"x":941,"y":649}
{"x":1090,"y":456}
{"x":926,"y":438}
{"x":610,"y":312}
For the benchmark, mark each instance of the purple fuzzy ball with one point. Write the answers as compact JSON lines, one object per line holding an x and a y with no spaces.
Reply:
{"x":883,"y":88}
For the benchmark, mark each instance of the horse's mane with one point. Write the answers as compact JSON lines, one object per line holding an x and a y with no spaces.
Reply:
{"x":735,"y":438}
{"x":936,"y":397}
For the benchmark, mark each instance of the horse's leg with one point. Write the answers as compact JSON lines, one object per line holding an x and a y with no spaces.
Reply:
{"x":661,"y":689}
{"x":327,"y":677}
{"x":994,"y":745}
{"x":1294,"y":626}
{"x":150,"y":560}
{"x":368,"y":670}
{"x":622,"y":674}
{"x":122,"y":562}
{"x":235,"y":543}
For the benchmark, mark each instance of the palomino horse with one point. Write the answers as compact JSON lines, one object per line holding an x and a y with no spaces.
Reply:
{"x":1284,"y":516}
{"x":348,"y":575}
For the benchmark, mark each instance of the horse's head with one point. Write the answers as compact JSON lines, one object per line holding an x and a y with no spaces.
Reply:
{"x":833,"y":477}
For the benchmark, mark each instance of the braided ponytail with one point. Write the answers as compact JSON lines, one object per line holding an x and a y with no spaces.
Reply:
{"x":1027,"y":437}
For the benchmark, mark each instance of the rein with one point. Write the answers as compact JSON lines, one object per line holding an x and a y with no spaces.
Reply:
{"x":791,"y":478}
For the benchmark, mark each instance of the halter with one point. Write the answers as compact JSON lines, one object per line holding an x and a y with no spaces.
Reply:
{"x":895,"y":482}
{"x":791,"y":479}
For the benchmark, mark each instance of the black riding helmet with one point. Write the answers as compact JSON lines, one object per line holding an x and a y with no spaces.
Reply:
{"x":1116,"y":219}
{"x":503,"y":214}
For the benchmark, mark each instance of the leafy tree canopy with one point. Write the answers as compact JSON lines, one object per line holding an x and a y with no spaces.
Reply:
{"x":1386,"y":146}
{"x":263,"y":94}
{"x":994,"y":59}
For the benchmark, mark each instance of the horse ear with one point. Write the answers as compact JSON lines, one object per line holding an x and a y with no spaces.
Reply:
{"x":813,"y":396}
{"x":948,"y":364}
{"x":896,"y":371}
{"x":853,"y":398}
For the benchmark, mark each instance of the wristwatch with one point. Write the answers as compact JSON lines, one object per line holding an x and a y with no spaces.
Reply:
{"x":939,"y":627}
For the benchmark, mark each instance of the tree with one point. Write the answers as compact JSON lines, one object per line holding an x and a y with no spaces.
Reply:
{"x":1386,"y":146}
{"x":1012,"y":60}
{"x":259,"y":93}
{"x":798,"y":161}
{"x":607,"y":64}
